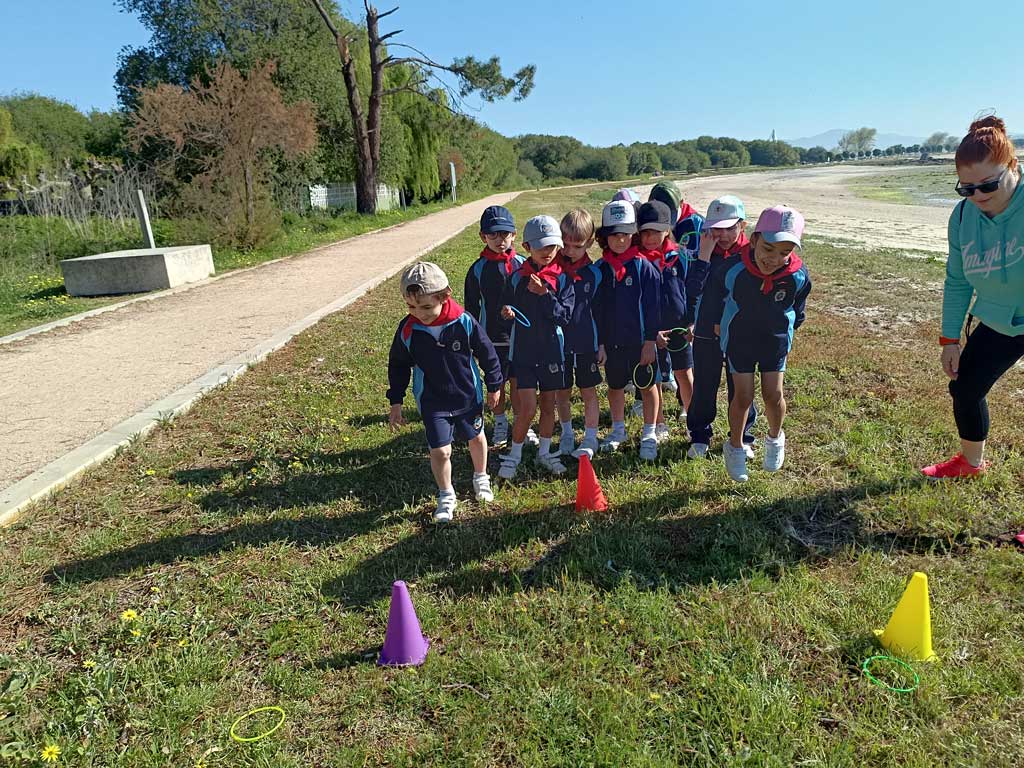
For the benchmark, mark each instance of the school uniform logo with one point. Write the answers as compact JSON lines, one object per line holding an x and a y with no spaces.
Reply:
{"x":553,"y":367}
{"x":478,"y":423}
{"x":456,"y":346}
{"x":629,"y":281}
{"x":780,"y":295}
{"x":593,"y":367}
{"x":586,"y":288}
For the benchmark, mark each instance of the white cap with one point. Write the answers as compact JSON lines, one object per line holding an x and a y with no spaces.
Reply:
{"x":618,"y":216}
{"x":429,"y":277}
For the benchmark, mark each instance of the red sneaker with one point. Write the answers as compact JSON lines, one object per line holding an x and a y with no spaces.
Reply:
{"x":958,"y":466}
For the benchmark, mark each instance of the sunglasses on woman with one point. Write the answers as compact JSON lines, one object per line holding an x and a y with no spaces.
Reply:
{"x":966,"y":190}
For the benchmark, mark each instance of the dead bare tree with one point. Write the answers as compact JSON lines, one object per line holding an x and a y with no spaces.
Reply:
{"x":471,"y":74}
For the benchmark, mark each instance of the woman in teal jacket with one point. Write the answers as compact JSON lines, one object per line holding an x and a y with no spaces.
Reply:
{"x":986,"y":263}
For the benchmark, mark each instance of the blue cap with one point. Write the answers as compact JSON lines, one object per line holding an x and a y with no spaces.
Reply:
{"x":497,"y":218}
{"x":542,"y":231}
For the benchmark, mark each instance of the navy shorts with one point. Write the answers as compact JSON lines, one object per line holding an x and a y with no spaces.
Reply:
{"x":767,"y":355}
{"x":683,"y":359}
{"x":506,"y":365}
{"x":547,"y":377}
{"x":581,"y":369}
{"x":443,"y":426}
{"x":618,"y":369}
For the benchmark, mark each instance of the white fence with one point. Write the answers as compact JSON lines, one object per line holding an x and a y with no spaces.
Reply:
{"x":324,"y":196}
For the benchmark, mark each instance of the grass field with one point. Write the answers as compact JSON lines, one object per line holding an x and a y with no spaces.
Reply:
{"x":242,"y":556}
{"x":32,"y":287}
{"x":928,"y":185}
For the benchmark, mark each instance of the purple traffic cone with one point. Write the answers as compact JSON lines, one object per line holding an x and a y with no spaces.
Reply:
{"x":404,"y":643}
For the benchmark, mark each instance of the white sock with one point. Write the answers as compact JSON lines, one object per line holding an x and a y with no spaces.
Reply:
{"x":619,"y":427}
{"x":776,"y":440}
{"x":649,"y":431}
{"x":567,"y":427}
{"x":590,"y":433}
{"x":501,"y":418}
{"x":516,"y":451}
{"x":545,"y":445}
{"x":445,"y":492}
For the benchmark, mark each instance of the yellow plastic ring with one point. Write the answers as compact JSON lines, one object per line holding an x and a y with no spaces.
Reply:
{"x":247,"y":739}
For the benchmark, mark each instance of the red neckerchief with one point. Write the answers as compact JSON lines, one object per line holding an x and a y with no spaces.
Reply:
{"x":618,"y":262}
{"x":768,"y":281}
{"x":504,"y":257}
{"x":741,"y":245}
{"x":449,"y":311}
{"x":657,"y":256}
{"x":572,"y":268}
{"x":685,"y":209}
{"x":548,"y":274}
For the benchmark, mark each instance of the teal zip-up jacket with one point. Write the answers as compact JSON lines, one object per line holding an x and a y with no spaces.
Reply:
{"x":986,"y":260}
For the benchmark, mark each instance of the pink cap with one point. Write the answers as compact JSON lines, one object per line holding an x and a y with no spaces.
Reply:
{"x":781,"y":224}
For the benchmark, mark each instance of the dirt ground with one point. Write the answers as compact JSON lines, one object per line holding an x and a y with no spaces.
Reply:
{"x":61,"y":388}
{"x":831,"y":208}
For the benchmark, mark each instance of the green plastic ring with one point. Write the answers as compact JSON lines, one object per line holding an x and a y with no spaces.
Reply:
{"x":686,"y":343}
{"x":649,"y":384}
{"x":898,"y":662}
{"x":247,"y":739}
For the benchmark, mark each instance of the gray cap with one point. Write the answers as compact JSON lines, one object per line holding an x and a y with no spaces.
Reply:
{"x":618,"y":216}
{"x":542,"y":231}
{"x":429,"y":277}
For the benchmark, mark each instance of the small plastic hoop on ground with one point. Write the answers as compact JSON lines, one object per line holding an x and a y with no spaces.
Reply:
{"x":897,"y":662}
{"x":522,"y":319}
{"x":247,"y":739}
{"x":651,"y":380}
{"x":681,"y":332}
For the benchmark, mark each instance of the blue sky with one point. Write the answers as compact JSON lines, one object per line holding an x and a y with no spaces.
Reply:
{"x":619,"y":71}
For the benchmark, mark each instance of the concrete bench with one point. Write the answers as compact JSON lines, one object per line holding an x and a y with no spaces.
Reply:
{"x":137,"y":271}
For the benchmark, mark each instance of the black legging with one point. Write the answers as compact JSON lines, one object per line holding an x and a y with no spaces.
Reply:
{"x":986,"y":357}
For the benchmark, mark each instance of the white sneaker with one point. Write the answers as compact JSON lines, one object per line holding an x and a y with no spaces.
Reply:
{"x":551,"y":463}
{"x":638,"y":408}
{"x":697,"y":451}
{"x":613,"y":442}
{"x":775,"y":452}
{"x":588,"y":446}
{"x":682,"y":417}
{"x":630,"y":388}
{"x":661,"y":432}
{"x":445,"y":508}
{"x":672,"y":385}
{"x":735,"y":463}
{"x":482,"y":488}
{"x":748,"y":450}
{"x":649,"y":449}
{"x":500,"y":434}
{"x":508,"y":467}
{"x":567,"y":443}
{"x":531,"y":437}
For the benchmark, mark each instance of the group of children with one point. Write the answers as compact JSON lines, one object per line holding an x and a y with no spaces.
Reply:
{"x":674,"y":298}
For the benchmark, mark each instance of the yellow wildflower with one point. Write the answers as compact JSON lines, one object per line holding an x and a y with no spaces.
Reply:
{"x":50,"y":753}
{"x":183,"y":642}
{"x":136,"y":633}
{"x":129,"y":615}
{"x":89,"y":664}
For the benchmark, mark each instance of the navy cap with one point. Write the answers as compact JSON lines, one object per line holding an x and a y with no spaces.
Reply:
{"x":654,"y":214}
{"x":497,"y":218}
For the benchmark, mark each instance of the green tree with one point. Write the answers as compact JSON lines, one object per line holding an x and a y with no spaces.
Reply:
{"x":552,"y":155}
{"x":816,"y":155}
{"x":772,"y":153}
{"x":58,"y":128}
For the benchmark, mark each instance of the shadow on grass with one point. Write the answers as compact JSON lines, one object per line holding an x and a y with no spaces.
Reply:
{"x":646,"y":541}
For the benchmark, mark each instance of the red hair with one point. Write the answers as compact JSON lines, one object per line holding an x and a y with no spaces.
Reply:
{"x":986,"y":141}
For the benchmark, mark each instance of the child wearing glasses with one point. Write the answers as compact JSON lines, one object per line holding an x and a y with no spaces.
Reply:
{"x":484,"y":286}
{"x":760,"y":301}
{"x":539,"y":300}
{"x":723,"y":240}
{"x":628,"y":316}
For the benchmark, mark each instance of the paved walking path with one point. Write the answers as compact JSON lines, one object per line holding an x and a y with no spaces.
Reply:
{"x":68,"y":387}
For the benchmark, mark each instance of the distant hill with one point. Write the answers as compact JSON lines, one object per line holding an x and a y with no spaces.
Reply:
{"x":829,"y":139}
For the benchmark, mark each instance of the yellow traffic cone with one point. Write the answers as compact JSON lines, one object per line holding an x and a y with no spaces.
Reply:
{"x":909,"y":631}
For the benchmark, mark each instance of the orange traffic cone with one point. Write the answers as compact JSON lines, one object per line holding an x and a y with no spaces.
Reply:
{"x":589,"y":495}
